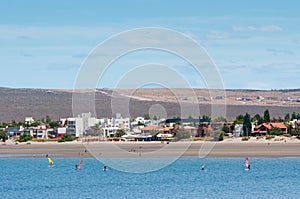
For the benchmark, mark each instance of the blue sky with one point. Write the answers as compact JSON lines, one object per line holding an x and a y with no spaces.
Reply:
{"x":255,"y":44}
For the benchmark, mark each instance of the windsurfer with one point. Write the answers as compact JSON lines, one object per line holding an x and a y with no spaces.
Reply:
{"x":247,"y":164}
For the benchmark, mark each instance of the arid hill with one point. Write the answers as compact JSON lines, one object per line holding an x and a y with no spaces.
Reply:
{"x":16,"y":104}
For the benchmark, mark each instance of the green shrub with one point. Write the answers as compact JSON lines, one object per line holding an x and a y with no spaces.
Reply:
{"x":221,"y":137}
{"x":287,"y":135}
{"x":25,"y":138}
{"x":3,"y":136}
{"x":245,"y":138}
{"x":269,"y":137}
{"x":276,"y":131}
{"x":66,"y":138}
{"x":181,"y":134}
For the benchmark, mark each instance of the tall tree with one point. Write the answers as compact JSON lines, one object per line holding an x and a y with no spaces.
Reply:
{"x":206,"y":118}
{"x":294,"y":116}
{"x":3,"y":136}
{"x":225,"y":128}
{"x":181,"y":134}
{"x":258,"y":119}
{"x":267,"y":116}
{"x":48,"y":119}
{"x":147,"y":116}
{"x":287,"y":117}
{"x":240,"y":118}
{"x":247,"y":126}
{"x":120,"y":133}
{"x":296,"y":131}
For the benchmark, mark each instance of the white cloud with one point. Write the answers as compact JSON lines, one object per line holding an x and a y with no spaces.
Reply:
{"x":279,"y":51}
{"x":268,"y":28}
{"x":216,"y":35}
{"x":54,"y":32}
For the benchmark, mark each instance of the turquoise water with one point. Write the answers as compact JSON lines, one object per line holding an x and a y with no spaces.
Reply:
{"x":222,"y":178}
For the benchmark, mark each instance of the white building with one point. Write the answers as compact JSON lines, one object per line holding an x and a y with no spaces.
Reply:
{"x":122,"y":123}
{"x":78,"y":125}
{"x":111,"y":125}
{"x":238,"y":130}
{"x":109,"y":131}
{"x":29,"y":120}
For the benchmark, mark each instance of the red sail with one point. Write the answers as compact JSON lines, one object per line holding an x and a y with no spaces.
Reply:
{"x":79,"y":164}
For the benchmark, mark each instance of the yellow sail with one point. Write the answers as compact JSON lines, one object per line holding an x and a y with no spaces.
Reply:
{"x":50,"y":161}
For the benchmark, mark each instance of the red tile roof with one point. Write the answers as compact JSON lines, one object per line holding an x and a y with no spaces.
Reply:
{"x":279,"y":125}
{"x":149,"y":128}
{"x":270,"y":125}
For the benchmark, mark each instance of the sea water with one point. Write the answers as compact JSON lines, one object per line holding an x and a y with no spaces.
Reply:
{"x":222,"y":178}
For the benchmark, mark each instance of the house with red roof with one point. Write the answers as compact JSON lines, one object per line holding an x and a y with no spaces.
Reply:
{"x":264,"y":128}
{"x":147,"y":130}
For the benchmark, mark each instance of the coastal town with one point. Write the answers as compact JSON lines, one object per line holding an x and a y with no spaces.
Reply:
{"x":84,"y":127}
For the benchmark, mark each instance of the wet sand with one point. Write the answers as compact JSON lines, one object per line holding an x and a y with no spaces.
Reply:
{"x":143,"y":149}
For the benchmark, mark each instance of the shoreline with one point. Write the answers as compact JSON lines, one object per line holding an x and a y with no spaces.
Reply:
{"x":226,"y":148}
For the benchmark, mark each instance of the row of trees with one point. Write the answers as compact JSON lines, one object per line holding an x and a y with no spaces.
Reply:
{"x":48,"y":121}
{"x":257,"y":119}
{"x":247,"y":121}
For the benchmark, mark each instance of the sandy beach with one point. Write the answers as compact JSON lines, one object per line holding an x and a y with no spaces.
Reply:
{"x":286,"y":147}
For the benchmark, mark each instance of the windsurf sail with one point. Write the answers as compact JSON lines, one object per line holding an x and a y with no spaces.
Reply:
{"x":79,"y":165}
{"x":247,"y":163}
{"x":50,"y":161}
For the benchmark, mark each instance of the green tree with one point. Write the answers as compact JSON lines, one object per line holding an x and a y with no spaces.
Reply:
{"x":92,"y":131}
{"x":275,"y":131}
{"x":219,"y":135}
{"x":25,"y":138}
{"x":289,"y":128}
{"x":48,"y":119}
{"x":35,"y":124}
{"x":267,"y":116}
{"x":247,"y":126}
{"x":294,"y":116}
{"x":120,"y":133}
{"x":296,"y":131}
{"x":13,"y":123}
{"x":181,"y":134}
{"x":225,"y":129}
{"x":147,"y":116}
{"x":287,"y":118}
{"x":66,"y":138}
{"x":206,"y":118}
{"x":3,"y":136}
{"x":53,"y":124}
{"x":239,"y":119}
{"x":257,"y":119}
{"x":21,"y":124}
{"x":154,"y":117}
{"x":220,"y":119}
